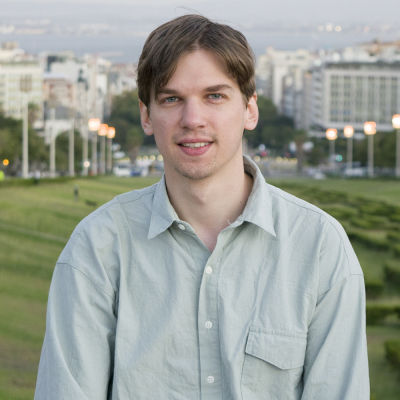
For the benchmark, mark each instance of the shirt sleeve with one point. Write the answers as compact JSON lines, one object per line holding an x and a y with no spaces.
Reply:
{"x":77,"y":354}
{"x":336,"y":362}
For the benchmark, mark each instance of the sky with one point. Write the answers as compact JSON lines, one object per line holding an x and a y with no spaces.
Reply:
{"x":260,"y":20}
{"x":241,"y":12}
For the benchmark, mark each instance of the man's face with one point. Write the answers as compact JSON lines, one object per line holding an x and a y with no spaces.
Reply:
{"x":198,"y":118}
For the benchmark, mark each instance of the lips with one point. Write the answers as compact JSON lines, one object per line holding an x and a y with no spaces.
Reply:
{"x":194,"y":147}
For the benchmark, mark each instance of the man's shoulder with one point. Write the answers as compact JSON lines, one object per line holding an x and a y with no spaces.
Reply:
{"x":104,"y":225}
{"x":308,"y":224}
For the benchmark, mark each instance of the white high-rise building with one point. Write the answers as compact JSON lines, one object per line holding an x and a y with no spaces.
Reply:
{"x":20,"y":82}
{"x":351,"y":93}
{"x":272,"y":69}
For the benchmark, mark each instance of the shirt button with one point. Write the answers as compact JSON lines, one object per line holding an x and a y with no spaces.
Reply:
{"x":208,"y":324}
{"x":208,"y":270}
{"x":182,"y":227}
{"x":210,"y":379}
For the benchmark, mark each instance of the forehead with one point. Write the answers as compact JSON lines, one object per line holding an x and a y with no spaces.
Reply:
{"x":200,"y":69}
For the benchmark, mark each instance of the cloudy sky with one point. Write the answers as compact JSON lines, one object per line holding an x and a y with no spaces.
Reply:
{"x":260,"y":20}
{"x":236,"y":11}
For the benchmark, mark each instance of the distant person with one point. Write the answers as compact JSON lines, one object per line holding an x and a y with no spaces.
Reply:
{"x":210,"y":284}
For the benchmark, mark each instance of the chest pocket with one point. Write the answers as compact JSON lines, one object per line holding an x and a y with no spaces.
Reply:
{"x":273,"y":365}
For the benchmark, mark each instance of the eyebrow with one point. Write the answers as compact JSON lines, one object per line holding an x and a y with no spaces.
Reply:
{"x":215,"y":88}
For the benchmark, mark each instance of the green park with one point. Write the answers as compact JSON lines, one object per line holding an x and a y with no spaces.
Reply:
{"x":36,"y":220}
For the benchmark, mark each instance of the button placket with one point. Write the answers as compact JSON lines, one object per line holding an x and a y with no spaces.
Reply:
{"x":210,"y":354}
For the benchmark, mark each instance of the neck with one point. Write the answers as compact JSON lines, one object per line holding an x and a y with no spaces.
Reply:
{"x":212,"y":204}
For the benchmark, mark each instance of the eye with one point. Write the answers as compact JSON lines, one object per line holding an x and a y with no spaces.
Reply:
{"x":170,"y":100}
{"x":215,"y":96}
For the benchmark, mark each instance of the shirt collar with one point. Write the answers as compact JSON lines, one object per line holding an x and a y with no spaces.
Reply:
{"x":258,"y":209}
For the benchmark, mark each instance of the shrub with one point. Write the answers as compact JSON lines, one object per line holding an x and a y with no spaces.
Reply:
{"x":396,"y":249}
{"x":369,"y":241}
{"x":341,"y":212}
{"x":369,"y":222}
{"x":394,"y":237}
{"x":376,"y":313}
{"x":374,"y":289}
{"x":326,"y":197}
{"x":392,"y":348}
{"x":394,"y":217}
{"x":392,"y":272}
{"x":374,"y":208}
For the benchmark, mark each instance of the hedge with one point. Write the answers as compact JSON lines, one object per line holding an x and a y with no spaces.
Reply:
{"x":374,"y":289}
{"x":394,"y":237}
{"x":394,"y":217}
{"x":373,"y":208}
{"x":376,"y":313}
{"x":392,"y":348}
{"x":341,"y":212}
{"x":372,"y":242}
{"x":396,"y":249}
{"x":392,"y":272}
{"x":369,"y":222}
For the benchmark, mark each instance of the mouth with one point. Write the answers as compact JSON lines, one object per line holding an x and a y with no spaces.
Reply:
{"x":195,"y":145}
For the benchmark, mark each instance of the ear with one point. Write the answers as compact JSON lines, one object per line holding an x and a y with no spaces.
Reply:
{"x":251,"y":118}
{"x":145,"y":119}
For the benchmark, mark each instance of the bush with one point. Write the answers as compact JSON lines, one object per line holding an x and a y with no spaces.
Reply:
{"x":394,"y":237}
{"x":376,"y":313}
{"x":396,"y":249}
{"x":326,"y":197}
{"x":340,"y":212}
{"x":392,"y":348}
{"x":370,"y":241}
{"x":392,"y":272}
{"x":369,"y":222}
{"x":394,"y":217}
{"x":374,"y":289}
{"x":374,"y":208}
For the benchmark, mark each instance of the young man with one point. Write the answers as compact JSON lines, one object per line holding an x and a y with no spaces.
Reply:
{"x":210,"y":284}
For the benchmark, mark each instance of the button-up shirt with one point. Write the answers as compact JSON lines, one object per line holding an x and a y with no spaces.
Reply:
{"x":139,"y":308}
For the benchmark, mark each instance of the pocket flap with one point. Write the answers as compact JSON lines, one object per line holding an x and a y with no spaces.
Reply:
{"x":282,"y":349}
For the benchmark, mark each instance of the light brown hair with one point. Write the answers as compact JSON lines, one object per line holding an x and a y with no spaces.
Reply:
{"x":166,"y":45}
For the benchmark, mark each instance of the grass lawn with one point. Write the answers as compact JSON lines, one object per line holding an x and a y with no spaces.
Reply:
{"x":35,"y":224}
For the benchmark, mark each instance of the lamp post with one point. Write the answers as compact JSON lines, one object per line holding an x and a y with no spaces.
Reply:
{"x":103,"y":131}
{"x":71,"y":146}
{"x":348,"y":133}
{"x":25,"y":86}
{"x":396,"y":125}
{"x":94,"y":125}
{"x":331,"y":135}
{"x":110,"y":136}
{"x":370,"y":130}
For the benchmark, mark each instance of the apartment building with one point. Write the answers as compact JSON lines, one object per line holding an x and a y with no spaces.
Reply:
{"x":20,"y":82}
{"x":351,"y":93}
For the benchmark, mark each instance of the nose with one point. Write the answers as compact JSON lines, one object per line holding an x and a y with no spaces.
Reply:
{"x":193,"y":115}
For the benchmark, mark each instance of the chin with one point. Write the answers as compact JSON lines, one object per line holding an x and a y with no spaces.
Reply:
{"x":195,"y":173}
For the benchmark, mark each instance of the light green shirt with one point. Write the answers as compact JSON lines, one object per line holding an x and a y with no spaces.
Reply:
{"x":140,"y":309}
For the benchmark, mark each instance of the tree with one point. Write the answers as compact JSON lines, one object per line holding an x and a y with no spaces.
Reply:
{"x":125,"y":118}
{"x":273,"y":130}
{"x":11,"y":145}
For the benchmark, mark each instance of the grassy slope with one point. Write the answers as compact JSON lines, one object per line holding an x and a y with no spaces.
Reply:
{"x":35,"y":224}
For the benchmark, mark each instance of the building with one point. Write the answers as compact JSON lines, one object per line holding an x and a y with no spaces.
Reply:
{"x":20,"y":82}
{"x":351,"y":93}
{"x":272,"y":71}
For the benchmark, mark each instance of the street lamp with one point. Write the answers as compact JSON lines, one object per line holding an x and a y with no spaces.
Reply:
{"x":396,"y":125}
{"x":331,"y":135}
{"x":103,"y":131}
{"x":110,"y":136}
{"x":348,"y":133}
{"x":25,"y":85}
{"x":370,"y":130}
{"x":94,"y":125}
